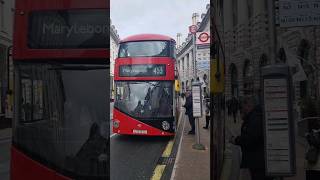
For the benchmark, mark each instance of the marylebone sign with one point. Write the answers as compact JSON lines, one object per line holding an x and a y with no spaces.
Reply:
{"x":68,"y":29}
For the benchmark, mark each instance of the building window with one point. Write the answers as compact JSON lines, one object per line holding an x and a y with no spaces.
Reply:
{"x":250,"y":8}
{"x":235,"y":12}
{"x":266,"y":5}
{"x":282,"y":57}
{"x":2,"y":15}
{"x":263,"y":62}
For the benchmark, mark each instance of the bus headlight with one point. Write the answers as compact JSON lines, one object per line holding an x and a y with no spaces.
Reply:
{"x":165,"y":125}
{"x":116,"y":124}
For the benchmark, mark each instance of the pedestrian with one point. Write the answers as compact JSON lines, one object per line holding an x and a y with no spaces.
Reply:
{"x":228,"y":103}
{"x":189,"y":111}
{"x":207,"y":109}
{"x":251,"y":139}
{"x":312,"y":164}
{"x":234,"y":105}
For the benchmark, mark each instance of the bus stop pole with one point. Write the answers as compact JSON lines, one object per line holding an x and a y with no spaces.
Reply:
{"x":197,"y":112}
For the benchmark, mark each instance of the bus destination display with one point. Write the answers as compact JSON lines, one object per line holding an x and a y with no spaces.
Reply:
{"x":142,"y":70}
{"x":68,"y":29}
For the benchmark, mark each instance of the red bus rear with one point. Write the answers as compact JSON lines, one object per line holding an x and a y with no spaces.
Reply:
{"x":60,"y":54}
{"x":145,"y":97}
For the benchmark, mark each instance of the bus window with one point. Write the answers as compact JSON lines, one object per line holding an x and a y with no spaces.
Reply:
{"x":144,"y":49}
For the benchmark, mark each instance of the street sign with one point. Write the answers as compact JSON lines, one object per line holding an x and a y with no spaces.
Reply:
{"x":193,"y":29}
{"x":202,"y":38}
{"x":196,"y":99}
{"x":279,"y":140}
{"x":299,"y":13}
{"x":203,"y":46}
{"x":203,"y":64}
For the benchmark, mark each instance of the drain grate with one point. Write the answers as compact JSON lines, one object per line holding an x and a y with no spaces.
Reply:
{"x":166,"y":160}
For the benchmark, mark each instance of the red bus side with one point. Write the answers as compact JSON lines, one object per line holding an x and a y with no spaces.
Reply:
{"x":26,"y":168}
{"x":22,"y":166}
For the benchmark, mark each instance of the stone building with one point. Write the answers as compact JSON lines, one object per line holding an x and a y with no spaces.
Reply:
{"x":244,"y":30}
{"x":114,"y":46}
{"x":186,"y":63}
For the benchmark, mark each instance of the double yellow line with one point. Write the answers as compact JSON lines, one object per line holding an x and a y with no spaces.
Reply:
{"x":158,"y":171}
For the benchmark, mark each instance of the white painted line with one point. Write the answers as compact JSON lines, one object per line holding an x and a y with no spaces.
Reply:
{"x":178,"y":154}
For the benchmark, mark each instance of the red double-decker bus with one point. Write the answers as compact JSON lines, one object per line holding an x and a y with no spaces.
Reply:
{"x":61,"y":94}
{"x":145,"y":99}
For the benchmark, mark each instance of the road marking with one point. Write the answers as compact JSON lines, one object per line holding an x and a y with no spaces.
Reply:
{"x":157,"y":173}
{"x":167,"y":151}
{"x":178,"y":154}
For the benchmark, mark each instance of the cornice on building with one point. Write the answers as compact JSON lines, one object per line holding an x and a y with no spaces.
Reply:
{"x":205,"y":20}
{"x":185,"y":45}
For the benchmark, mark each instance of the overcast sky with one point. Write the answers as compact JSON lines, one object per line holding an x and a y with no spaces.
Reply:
{"x":167,"y":17}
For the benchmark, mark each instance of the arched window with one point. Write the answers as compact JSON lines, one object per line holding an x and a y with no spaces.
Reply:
{"x":247,"y":78}
{"x":263,"y":62}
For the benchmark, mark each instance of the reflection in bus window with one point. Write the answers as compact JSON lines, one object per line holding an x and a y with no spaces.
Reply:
{"x":73,"y":130}
{"x":145,"y":99}
{"x":32,"y":107}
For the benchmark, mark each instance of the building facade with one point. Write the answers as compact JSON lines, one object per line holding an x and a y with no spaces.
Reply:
{"x":114,"y":46}
{"x":6,"y":31}
{"x":188,"y":65}
{"x":245,"y":34}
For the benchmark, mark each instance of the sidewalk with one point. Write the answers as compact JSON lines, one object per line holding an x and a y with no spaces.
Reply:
{"x":5,"y":144}
{"x":233,"y":155}
{"x":192,"y":164}
{"x":5,"y":133}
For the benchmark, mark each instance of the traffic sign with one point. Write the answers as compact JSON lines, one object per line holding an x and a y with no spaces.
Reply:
{"x":177,"y":85}
{"x":193,"y":29}
{"x":203,"y":38}
{"x":216,"y":85}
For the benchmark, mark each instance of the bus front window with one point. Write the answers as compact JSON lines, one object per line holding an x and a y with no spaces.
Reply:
{"x":152,"y":99}
{"x":144,"y":49}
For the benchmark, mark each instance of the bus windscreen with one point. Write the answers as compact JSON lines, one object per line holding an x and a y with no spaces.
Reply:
{"x":71,"y":29}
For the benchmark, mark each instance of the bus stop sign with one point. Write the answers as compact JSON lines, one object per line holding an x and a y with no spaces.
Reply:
{"x":279,"y":139}
{"x":196,"y":99}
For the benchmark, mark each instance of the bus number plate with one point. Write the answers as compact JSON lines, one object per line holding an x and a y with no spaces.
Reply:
{"x":136,"y":131}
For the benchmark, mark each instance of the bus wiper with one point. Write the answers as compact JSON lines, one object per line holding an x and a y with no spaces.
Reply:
{"x":81,"y":68}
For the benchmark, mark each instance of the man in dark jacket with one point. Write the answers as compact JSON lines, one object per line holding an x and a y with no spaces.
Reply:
{"x":189,"y":111}
{"x":251,"y":139}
